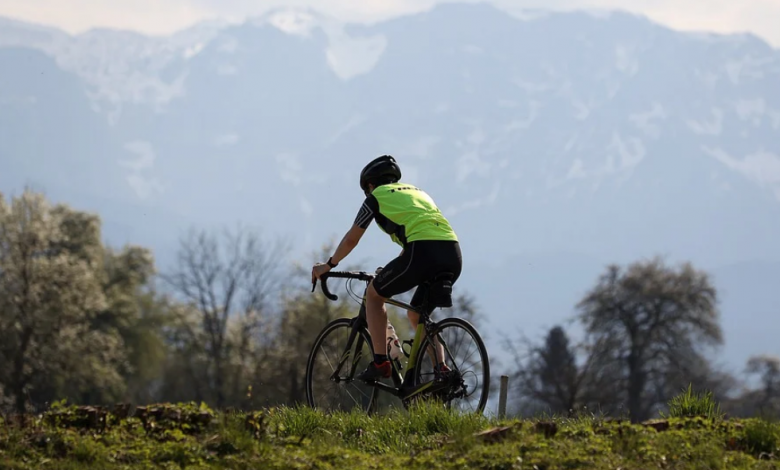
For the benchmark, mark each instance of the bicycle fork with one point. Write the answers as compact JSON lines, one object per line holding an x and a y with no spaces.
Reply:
{"x":347,"y":353}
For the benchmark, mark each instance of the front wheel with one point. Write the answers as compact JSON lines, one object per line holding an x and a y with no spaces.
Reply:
{"x":464,"y":352}
{"x":331,"y":369}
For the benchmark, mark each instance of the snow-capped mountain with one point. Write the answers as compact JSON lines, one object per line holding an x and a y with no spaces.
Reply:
{"x":554,"y":142}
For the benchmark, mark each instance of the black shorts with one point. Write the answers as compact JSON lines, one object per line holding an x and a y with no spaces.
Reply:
{"x":421,"y":261}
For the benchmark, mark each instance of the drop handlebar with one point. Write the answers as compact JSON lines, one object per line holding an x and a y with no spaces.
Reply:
{"x":359,"y":275}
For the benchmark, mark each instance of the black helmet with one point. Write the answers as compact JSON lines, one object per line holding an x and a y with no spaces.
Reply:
{"x":380,"y":170}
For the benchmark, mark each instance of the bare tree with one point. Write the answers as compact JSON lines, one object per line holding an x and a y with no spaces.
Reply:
{"x":650,"y":313}
{"x":225,"y":281}
{"x":768,"y":369}
{"x":688,"y":367}
{"x":551,"y":377}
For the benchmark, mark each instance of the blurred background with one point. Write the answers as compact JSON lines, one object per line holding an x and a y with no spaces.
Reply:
{"x":208,"y":154}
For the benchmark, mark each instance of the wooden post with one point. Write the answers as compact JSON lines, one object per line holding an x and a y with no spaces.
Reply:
{"x":502,"y":397}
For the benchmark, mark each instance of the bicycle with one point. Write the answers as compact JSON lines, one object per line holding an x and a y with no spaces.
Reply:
{"x":444,"y":386}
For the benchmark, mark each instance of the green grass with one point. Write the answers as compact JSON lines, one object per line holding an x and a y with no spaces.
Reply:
{"x":689,"y":404}
{"x":195,"y":437}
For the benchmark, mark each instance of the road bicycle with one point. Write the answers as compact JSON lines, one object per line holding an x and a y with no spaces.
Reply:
{"x":352,"y":351}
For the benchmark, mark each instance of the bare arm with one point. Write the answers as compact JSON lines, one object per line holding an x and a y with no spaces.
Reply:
{"x":348,"y":243}
{"x":351,"y":239}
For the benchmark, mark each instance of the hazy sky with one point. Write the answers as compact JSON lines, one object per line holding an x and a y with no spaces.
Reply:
{"x":761,"y":17}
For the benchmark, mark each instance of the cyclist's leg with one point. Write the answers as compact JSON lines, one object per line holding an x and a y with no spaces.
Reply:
{"x":414,"y":319}
{"x":398,"y":276}
{"x":434,"y":258}
{"x":440,"y":257}
{"x":416,"y":302}
{"x":376,"y":316}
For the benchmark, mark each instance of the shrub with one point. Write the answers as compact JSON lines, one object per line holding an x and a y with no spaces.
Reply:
{"x":761,"y":437}
{"x":689,"y":404}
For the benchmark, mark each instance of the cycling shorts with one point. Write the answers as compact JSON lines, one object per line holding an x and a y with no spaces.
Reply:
{"x":421,"y":261}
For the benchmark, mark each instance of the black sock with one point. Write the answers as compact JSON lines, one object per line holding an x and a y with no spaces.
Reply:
{"x":380,"y":358}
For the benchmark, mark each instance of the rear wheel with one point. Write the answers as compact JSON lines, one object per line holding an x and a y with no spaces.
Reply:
{"x":465,"y":354}
{"x":339,"y":392}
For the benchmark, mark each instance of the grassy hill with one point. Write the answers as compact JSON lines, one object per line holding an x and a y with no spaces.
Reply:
{"x":196,"y":437}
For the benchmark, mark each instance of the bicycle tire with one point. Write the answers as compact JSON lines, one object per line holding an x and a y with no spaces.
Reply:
{"x":459,"y":323}
{"x":341,"y":323}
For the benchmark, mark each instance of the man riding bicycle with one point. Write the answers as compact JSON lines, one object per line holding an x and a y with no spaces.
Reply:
{"x":429,"y":247}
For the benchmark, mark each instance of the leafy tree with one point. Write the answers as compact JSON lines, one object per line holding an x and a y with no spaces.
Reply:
{"x":137,"y":313}
{"x":146,"y":348}
{"x":50,"y":298}
{"x":649,"y":313}
{"x":184,"y":376}
{"x":280,"y":370}
{"x":281,"y":363}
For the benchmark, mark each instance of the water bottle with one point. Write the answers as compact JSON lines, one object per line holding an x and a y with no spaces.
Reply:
{"x":393,"y":345}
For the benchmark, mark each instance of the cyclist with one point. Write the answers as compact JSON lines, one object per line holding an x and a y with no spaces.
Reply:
{"x":429,"y":247}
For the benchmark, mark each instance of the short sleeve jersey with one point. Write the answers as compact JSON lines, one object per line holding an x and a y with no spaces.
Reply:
{"x":406,"y":213}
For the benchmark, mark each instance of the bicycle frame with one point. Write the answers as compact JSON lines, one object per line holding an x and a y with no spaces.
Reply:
{"x":400,"y":388}
{"x":447,"y":384}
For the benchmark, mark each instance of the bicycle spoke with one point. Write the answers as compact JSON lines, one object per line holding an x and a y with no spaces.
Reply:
{"x":468,"y":373}
{"x":327,"y":358}
{"x":458,"y":365}
{"x":465,"y":385}
{"x":338,"y":392}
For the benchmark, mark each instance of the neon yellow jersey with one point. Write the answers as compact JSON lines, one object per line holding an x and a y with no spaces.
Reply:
{"x":406,"y":213}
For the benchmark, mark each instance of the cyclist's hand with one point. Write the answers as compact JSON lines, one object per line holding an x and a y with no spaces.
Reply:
{"x":318,"y":270}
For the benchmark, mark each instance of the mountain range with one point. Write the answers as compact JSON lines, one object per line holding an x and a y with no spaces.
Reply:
{"x":554,"y":142}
